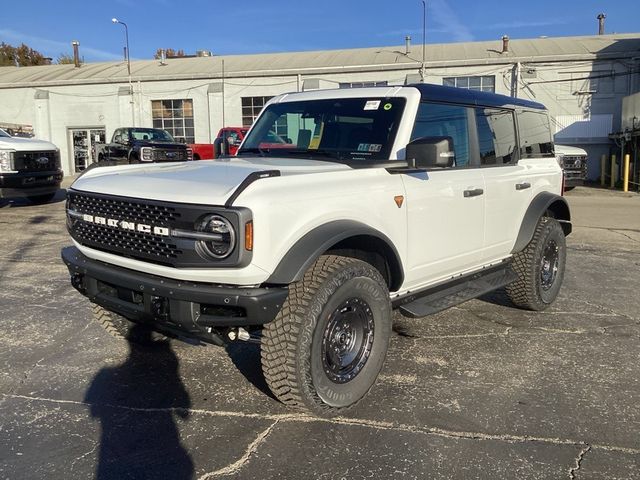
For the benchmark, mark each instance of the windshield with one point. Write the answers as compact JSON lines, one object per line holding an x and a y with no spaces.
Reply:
{"x":3,"y":133}
{"x":349,"y":130}
{"x":150,"y":134}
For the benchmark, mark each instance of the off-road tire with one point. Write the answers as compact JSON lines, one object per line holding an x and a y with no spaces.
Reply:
{"x":295,"y":354}
{"x":40,"y":199}
{"x":533,"y":290}
{"x":120,"y":327}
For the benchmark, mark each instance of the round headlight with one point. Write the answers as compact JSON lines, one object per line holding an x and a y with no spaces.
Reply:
{"x":222,"y":237}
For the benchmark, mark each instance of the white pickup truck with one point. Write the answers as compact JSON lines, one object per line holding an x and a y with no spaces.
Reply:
{"x":414,"y":198}
{"x":29,"y":168}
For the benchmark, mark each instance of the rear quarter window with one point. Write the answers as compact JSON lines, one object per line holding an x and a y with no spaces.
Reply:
{"x":535,"y":134}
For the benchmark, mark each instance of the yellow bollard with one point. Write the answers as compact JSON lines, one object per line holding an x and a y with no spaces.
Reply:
{"x":603,"y":170}
{"x":612,"y":183}
{"x":625,"y":173}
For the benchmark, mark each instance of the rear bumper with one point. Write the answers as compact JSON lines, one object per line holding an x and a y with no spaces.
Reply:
{"x":29,"y":183}
{"x":194,"y":309}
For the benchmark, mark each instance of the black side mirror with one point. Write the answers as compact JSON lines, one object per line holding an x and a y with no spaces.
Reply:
{"x":430,"y":152}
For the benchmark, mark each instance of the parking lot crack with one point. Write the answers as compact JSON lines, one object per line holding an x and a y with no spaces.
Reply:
{"x":238,"y":464}
{"x":574,"y":469}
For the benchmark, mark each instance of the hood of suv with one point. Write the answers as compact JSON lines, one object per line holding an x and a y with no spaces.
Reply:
{"x":25,"y":144}
{"x":156,"y":144}
{"x":208,"y":182}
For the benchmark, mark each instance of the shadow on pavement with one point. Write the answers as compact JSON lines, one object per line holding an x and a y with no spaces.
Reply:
{"x":246,"y":358}
{"x":19,"y":202}
{"x":135,"y":403}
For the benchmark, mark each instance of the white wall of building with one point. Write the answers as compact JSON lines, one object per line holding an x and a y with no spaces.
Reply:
{"x":588,"y":107}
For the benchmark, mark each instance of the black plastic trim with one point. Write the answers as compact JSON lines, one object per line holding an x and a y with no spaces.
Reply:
{"x":184,"y":298}
{"x":252,"y":177}
{"x":316,"y":242}
{"x":538,"y":208}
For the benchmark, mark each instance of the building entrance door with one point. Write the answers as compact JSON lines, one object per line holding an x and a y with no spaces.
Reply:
{"x":83,"y":146}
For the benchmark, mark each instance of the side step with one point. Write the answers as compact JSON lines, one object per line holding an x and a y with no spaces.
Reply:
{"x":440,"y":297}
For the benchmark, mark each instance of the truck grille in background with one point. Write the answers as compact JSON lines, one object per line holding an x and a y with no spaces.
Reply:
{"x":169,"y":155}
{"x":574,"y":166}
{"x":36,"y":161}
{"x":144,"y":246}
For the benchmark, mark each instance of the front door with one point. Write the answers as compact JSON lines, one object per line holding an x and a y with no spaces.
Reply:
{"x":446,"y":206}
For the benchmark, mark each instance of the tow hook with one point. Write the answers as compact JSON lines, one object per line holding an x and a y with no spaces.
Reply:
{"x":242,"y":335}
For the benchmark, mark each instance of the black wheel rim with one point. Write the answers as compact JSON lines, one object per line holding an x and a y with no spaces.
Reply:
{"x":347,"y":340}
{"x":549,"y":264}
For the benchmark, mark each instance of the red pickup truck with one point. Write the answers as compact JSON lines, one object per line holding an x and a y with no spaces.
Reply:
{"x":233,"y":136}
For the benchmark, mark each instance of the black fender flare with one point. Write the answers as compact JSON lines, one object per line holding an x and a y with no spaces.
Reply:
{"x":317,"y":241}
{"x":540,"y":206}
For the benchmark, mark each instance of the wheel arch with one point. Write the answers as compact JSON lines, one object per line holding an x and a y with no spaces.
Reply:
{"x":342,"y":237}
{"x":544,"y":204}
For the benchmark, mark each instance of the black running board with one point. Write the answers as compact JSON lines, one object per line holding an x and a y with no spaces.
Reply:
{"x":454,"y":292}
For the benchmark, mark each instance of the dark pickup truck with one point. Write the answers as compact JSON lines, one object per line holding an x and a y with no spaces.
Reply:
{"x":137,"y":145}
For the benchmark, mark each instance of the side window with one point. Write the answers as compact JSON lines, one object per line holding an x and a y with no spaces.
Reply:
{"x":435,"y":120}
{"x":496,"y":136}
{"x":535,"y":134}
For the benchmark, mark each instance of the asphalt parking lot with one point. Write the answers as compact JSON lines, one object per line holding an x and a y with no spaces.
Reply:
{"x":482,"y":390}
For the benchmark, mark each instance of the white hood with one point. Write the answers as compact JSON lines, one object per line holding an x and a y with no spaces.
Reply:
{"x":209,"y":182}
{"x":25,"y":144}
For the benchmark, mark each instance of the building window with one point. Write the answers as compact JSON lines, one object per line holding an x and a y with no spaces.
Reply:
{"x":176,"y":117}
{"x":251,"y":108}
{"x":363,"y":84}
{"x":481,"y":84}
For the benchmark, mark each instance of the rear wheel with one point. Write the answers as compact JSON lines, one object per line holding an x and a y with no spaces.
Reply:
{"x":540,"y":267}
{"x":327,"y":345}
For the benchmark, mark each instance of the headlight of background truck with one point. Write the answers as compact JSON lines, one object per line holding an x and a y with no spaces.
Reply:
{"x":6,"y":160}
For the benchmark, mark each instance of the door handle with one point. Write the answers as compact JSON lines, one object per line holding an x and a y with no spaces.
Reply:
{"x":523,"y":186}
{"x":473,"y":192}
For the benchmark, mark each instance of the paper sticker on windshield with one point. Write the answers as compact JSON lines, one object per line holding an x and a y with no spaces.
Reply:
{"x":387,"y":106}
{"x":369,"y":147}
{"x":372,"y":105}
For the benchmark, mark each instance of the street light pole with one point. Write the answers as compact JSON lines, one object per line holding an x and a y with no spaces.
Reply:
{"x":126,"y":37}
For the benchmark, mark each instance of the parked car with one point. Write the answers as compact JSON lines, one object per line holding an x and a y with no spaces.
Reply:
{"x":226,"y":143}
{"x":29,"y":168}
{"x":418,"y":198}
{"x":136,"y":145}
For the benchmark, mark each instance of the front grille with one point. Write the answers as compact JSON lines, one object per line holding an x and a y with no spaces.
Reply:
{"x":169,"y":155}
{"x":111,"y":224}
{"x":574,"y":163}
{"x":36,"y":161}
{"x":129,"y":210}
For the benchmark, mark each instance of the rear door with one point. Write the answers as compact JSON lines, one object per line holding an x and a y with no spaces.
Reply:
{"x":507,"y":184}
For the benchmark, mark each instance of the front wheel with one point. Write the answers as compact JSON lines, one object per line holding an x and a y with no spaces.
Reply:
{"x":324,"y":350}
{"x":540,"y":267}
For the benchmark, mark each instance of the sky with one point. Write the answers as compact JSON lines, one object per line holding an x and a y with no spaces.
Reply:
{"x":251,"y":26}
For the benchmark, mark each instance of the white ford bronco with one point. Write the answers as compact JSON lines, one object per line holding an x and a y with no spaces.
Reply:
{"x":339,"y":207}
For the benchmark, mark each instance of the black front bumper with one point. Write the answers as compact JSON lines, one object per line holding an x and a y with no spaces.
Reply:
{"x":194,"y":309}
{"x":28,"y":184}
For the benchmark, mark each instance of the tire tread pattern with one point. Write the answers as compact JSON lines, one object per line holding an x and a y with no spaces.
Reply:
{"x":279,"y":349}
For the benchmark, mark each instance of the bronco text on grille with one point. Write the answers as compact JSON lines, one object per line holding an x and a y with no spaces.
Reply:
{"x":142,"y":229}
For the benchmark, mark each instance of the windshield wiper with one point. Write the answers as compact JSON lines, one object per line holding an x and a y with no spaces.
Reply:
{"x":312,"y":152}
{"x":260,"y":151}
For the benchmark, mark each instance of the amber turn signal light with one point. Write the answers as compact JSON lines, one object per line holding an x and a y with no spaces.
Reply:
{"x":248,"y":236}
